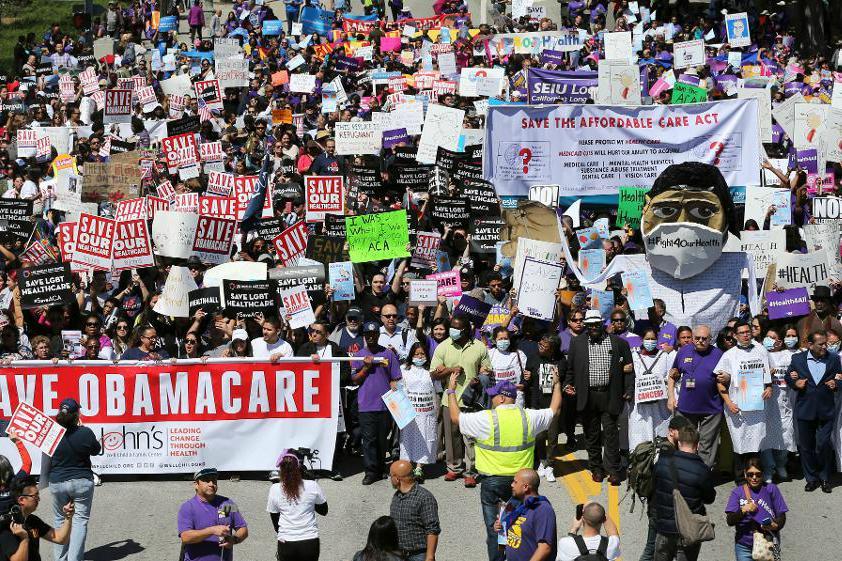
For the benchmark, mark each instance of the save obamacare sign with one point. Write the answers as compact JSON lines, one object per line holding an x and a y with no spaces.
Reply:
{"x":176,"y":418}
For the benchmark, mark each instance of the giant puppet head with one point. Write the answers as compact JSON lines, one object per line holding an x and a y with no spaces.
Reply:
{"x":686,"y":219}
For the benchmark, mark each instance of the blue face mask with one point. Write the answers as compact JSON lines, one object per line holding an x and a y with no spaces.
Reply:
{"x":419,"y":361}
{"x":455,"y":333}
{"x":790,"y":342}
{"x":769,"y":343}
{"x":833,"y":347}
{"x":503,"y":344}
{"x":650,"y":344}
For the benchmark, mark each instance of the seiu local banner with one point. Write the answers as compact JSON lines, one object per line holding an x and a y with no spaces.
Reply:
{"x":596,"y":149}
{"x":162,"y":418}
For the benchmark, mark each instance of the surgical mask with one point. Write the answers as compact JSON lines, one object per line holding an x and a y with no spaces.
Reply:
{"x":790,"y":342}
{"x":833,"y":347}
{"x":419,"y":361}
{"x":769,"y":343}
{"x":650,"y":344}
{"x":682,"y":249}
{"x":503,"y":344}
{"x":455,"y":333}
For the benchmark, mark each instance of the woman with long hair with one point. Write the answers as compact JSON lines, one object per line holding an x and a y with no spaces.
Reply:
{"x":120,"y":335}
{"x":419,"y":441}
{"x":71,"y":478}
{"x":382,"y":544}
{"x":292,"y":505}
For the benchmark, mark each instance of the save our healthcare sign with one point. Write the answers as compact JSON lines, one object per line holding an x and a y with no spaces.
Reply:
{"x":165,"y":418}
{"x":596,"y":149}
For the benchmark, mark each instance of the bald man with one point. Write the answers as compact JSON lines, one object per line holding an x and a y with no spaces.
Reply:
{"x":529,"y":521}
{"x":416,"y":514}
{"x":591,"y":540}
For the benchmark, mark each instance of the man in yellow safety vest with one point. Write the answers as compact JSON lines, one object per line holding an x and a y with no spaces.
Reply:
{"x":505,"y":444}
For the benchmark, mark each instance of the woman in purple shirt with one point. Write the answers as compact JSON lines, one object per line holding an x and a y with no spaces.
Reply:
{"x":755,"y":506}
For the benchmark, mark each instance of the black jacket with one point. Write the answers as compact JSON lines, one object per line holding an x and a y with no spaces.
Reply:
{"x":694,"y":481}
{"x":309,"y":349}
{"x":619,"y":383}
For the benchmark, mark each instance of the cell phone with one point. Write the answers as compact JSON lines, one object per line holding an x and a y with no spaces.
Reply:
{"x":766,"y":521}
{"x":580,"y":508}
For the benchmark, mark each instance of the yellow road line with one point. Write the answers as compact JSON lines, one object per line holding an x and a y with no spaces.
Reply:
{"x":614,"y":507}
{"x":573,"y":483}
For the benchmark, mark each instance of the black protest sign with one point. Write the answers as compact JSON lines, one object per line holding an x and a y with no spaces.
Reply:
{"x":474,"y":152}
{"x":334,"y":226}
{"x":120,"y":146}
{"x":44,"y":68}
{"x":46,"y":285}
{"x":467,"y":172}
{"x":450,"y":210}
{"x":482,"y":199}
{"x":248,"y":298}
{"x":18,"y":213}
{"x":472,"y":308}
{"x":447,"y":160}
{"x":405,"y":154}
{"x":311,"y":276}
{"x":206,"y":299}
{"x":269,"y":228}
{"x":439,"y":185}
{"x":364,"y":179}
{"x":183,"y":125}
{"x":485,"y":233}
{"x":415,"y":177}
{"x":326,"y":250}
{"x":412,"y":227}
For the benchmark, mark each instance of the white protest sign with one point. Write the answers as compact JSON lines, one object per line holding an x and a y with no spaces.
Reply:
{"x":764,"y":105}
{"x":232,"y":73}
{"x":132,"y":249}
{"x":737,"y":29}
{"x":618,"y":46}
{"x":358,"y":137}
{"x":32,"y":425}
{"x":177,"y":85}
{"x":297,"y":308}
{"x":758,"y":201}
{"x":809,"y":123}
{"x":536,"y":292}
{"x":302,"y":83}
{"x":806,"y":270}
{"x":689,"y":53}
{"x":173,"y":232}
{"x":174,"y":299}
{"x":442,"y":126}
{"x":784,"y":114}
{"x":763,"y":246}
{"x":649,"y":387}
{"x":618,"y":84}
{"x":423,"y":292}
{"x":535,"y":249}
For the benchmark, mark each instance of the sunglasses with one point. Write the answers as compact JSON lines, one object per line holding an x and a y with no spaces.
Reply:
{"x":389,"y":316}
{"x":753,"y":474}
{"x":92,"y":324}
{"x":577,"y":320}
{"x":122,"y":327}
{"x":190,"y":341}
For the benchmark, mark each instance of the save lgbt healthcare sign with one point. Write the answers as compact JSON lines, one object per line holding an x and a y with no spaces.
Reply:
{"x":596,"y":149}
{"x":162,"y":418}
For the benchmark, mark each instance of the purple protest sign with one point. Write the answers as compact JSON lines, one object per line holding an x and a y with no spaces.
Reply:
{"x":792,"y":88}
{"x":550,"y":86}
{"x":790,"y":303}
{"x":394,"y":137}
{"x":808,"y":160}
{"x":777,"y":133}
{"x":691,"y":79}
{"x":347,"y":63}
{"x":552,"y":57}
{"x":726,"y":83}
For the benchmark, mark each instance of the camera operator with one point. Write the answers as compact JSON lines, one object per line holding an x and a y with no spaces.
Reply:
{"x":208,"y":521}
{"x":19,"y":538}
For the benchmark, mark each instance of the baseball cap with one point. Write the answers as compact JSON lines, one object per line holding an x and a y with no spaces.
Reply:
{"x":69,"y":404}
{"x":206,"y":473}
{"x":370,"y":326}
{"x":240,"y":334}
{"x":504,"y":388}
{"x":354,"y":312}
{"x":593,"y":316}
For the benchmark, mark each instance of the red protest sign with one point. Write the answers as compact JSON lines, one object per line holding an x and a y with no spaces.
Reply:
{"x":93,"y":242}
{"x":210,"y":151}
{"x":244,"y":186}
{"x":209,"y":92}
{"x":324,"y":195}
{"x":132,"y":249}
{"x":213,"y":239}
{"x":291,"y":244}
{"x":66,"y":237}
{"x":220,"y":183}
{"x":32,"y":425}
{"x":131,"y":209}
{"x":219,"y":207}
{"x":118,"y":106}
{"x":424,"y":255}
{"x":154,"y":204}
{"x":176,"y":147}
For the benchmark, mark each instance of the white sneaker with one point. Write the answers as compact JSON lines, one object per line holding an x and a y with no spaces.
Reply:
{"x":97,"y":480}
{"x":548,"y":475}
{"x":542,"y":469}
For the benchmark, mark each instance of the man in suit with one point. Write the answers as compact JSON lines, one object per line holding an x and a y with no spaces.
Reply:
{"x":812,"y":374}
{"x":599,"y":374}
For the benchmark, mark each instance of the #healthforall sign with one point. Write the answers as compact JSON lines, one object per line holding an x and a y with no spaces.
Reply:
{"x":596,"y":149}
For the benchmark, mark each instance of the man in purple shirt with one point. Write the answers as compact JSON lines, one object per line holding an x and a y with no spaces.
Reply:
{"x":209,"y":524}
{"x":529,"y":521}
{"x":377,"y":373}
{"x":699,"y":398}
{"x":575,"y":327}
{"x":619,"y":327}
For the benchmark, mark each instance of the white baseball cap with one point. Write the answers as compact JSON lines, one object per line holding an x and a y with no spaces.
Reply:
{"x":240,"y":334}
{"x":593,"y":316}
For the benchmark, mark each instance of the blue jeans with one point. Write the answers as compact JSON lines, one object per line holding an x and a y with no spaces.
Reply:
{"x":742,"y":552}
{"x":420,"y":556}
{"x":493,"y":490}
{"x":81,"y":492}
{"x":773,"y":461}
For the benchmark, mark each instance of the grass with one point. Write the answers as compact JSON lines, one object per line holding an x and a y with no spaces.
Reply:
{"x":35,"y":16}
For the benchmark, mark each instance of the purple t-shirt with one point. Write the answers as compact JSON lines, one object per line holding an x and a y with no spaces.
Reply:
{"x":534,"y":526}
{"x":634,"y":341}
{"x":702,"y":398}
{"x":369,"y":397}
{"x":196,"y":514}
{"x":667,"y":335}
{"x":770,"y":504}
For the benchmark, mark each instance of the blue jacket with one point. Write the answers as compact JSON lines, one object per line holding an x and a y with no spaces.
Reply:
{"x":814,"y":402}
{"x":694,"y":481}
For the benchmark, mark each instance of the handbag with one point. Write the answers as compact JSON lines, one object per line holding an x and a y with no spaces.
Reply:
{"x":763,"y":548}
{"x":693,"y":528}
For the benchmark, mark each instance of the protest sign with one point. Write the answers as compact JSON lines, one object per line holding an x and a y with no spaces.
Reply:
{"x":472,"y":308}
{"x":205,"y":299}
{"x":232,"y":72}
{"x":485,"y":232}
{"x":373,"y":237}
{"x":748,"y":384}
{"x":132,"y":248}
{"x":180,"y":150}
{"x":325,"y":249}
{"x":545,"y":194}
{"x":536,"y":292}
{"x":272,"y":27}
{"x":213,"y":239}
{"x":630,"y":206}
{"x":173,"y":233}
{"x":602,"y":300}
{"x":827,"y":207}
{"x":448,"y":283}
{"x":424,"y":253}
{"x":591,"y":262}
{"x":219,"y":183}
{"x":688,"y":93}
{"x":220,"y":207}
{"x":527,"y":145}
{"x":688,"y":53}
{"x":17,"y":213}
{"x":481,"y":196}
{"x":174,"y":300}
{"x":442,"y":126}
{"x":759,"y":199}
{"x":93,"y":242}
{"x":334,"y":226}
{"x":764,"y":108}
{"x":32,"y":425}
{"x":316,"y":20}
{"x":118,"y":106}
{"x":297,"y":309}
{"x":423,"y":292}
{"x":363,"y":179}
{"x":791,"y":303}
{"x":341,"y":280}
{"x":291,"y":244}
{"x":311,"y":276}
{"x":618,"y":46}
{"x":248,"y":298}
{"x":112,"y":181}
{"x":807,"y":270}
{"x":450,"y":210}
{"x":266,"y":403}
{"x":649,"y":386}
{"x":46,"y":285}
{"x":400,"y":407}
{"x":302,"y":83}
{"x":763,"y":246}
{"x":737,"y":29}
{"x":535,"y":249}
{"x":66,"y":239}
{"x":324,"y":194}
{"x":358,"y":137}
{"x":209,"y":94}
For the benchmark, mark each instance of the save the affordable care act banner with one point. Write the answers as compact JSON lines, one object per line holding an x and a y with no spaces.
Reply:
{"x":596,"y":149}
{"x":163,"y":418}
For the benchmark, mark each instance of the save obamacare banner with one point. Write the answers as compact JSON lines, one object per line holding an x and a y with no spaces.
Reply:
{"x":177,"y":418}
{"x":596,"y":149}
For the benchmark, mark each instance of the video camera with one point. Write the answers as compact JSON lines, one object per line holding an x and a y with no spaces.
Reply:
{"x":13,"y":515}
{"x":311,"y":457}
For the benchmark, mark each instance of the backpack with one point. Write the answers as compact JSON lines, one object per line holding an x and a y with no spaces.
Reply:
{"x":641,"y":468}
{"x":601,"y":553}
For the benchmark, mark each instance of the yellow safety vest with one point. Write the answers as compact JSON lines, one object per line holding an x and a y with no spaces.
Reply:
{"x":510,"y":446}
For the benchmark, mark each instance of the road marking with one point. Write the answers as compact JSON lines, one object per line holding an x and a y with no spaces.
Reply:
{"x":614,"y":507}
{"x":573,"y":482}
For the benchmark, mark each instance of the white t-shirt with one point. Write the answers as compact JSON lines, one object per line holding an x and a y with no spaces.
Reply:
{"x":297,"y":520}
{"x":567,"y":550}
{"x":478,"y":425}
{"x":261,"y":349}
